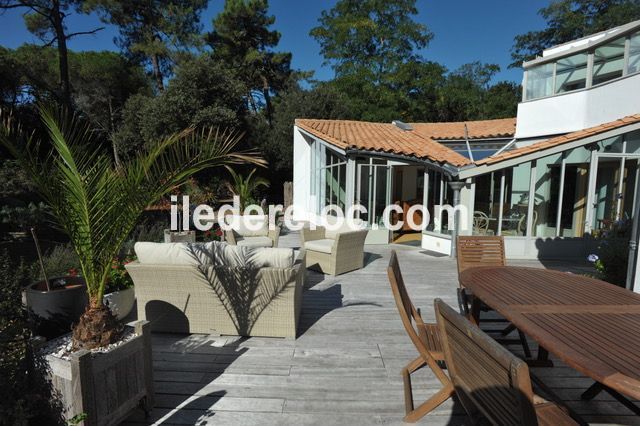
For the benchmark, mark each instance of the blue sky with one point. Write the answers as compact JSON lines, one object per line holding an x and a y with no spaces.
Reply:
{"x":465,"y":30}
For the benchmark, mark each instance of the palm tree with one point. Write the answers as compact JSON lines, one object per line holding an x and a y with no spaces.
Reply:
{"x":244,"y":187}
{"x":98,"y":203}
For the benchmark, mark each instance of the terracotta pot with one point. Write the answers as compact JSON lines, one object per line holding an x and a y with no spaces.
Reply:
{"x":120,"y":302}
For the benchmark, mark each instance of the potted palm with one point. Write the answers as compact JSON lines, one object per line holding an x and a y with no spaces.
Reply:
{"x":98,"y":203}
{"x":244,"y":187}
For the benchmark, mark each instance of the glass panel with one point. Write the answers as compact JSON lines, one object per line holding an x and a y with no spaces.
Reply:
{"x":608,"y":61}
{"x":606,"y":193}
{"x":629,"y":190}
{"x":486,"y":204}
{"x":571,"y":73}
{"x":611,"y":145}
{"x":381,"y":192}
{"x":433,"y":199}
{"x":342,"y":186}
{"x":547,"y":195}
{"x":574,"y":200}
{"x":540,"y":81}
{"x":366,"y":181}
{"x":633,"y":142}
{"x":516,"y":189}
{"x":634,"y":53}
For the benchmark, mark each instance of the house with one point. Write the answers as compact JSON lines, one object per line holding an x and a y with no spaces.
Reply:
{"x":564,"y":169}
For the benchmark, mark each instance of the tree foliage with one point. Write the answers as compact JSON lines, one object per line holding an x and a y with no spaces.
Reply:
{"x":153,"y":31}
{"x":241,"y":39}
{"x":571,"y":19}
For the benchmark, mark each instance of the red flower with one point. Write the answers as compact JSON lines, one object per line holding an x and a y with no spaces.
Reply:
{"x":219,"y":232}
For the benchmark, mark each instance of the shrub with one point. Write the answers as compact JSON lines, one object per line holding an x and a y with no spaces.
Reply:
{"x":26,"y":396}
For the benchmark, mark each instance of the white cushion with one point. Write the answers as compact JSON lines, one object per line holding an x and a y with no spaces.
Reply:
{"x":249,"y":225}
{"x":254,"y":241}
{"x":267,"y":257}
{"x":173,"y":253}
{"x":212,"y":253}
{"x":323,"y":246}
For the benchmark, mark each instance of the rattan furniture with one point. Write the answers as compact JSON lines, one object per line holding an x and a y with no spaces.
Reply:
{"x":243,"y":235}
{"x":333,"y":252}
{"x":218,"y":299}
{"x":489,"y":380}
{"x":426,"y":339}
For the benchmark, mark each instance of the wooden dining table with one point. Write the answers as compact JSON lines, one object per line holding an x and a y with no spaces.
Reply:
{"x":590,"y":325}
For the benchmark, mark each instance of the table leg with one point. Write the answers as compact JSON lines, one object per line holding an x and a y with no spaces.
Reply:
{"x":542,"y":360}
{"x":476,"y":305}
{"x":597,"y":387}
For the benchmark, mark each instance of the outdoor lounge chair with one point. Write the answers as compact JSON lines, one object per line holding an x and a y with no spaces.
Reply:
{"x":216,"y":288}
{"x":426,"y":339}
{"x":243,"y":235}
{"x":473,"y":251}
{"x":334,"y":252}
{"x":489,"y":380}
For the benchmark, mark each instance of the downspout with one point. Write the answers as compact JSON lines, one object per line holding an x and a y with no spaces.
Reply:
{"x":456,"y":186}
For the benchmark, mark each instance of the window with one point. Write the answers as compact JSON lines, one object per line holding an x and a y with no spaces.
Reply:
{"x":608,"y":61}
{"x":634,"y":54}
{"x":571,"y":73}
{"x":516,"y":200}
{"x":329,"y":175}
{"x":486,"y":204}
{"x":540,"y":81}
{"x":546,"y":208}
{"x":373,"y":188}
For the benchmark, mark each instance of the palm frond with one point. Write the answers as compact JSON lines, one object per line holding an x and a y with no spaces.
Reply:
{"x":98,"y":204}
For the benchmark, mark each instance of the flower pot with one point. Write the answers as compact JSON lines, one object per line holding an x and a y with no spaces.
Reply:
{"x":179,"y":236}
{"x":105,"y":384}
{"x":120,"y":302}
{"x":56,"y":310}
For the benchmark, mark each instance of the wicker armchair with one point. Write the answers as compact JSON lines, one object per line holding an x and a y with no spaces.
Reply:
{"x":243,"y":236}
{"x":333,"y":253}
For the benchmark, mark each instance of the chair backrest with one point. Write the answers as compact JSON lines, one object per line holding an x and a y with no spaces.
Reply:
{"x":485,"y":375}
{"x":410,"y":316}
{"x":480,"y":251}
{"x":480,"y":222}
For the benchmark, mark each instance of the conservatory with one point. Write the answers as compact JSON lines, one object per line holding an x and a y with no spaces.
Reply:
{"x":549,"y":180}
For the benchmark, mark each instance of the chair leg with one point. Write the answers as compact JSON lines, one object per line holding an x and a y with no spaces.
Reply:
{"x":430,"y":404}
{"x":415,"y":414}
{"x":525,"y":344}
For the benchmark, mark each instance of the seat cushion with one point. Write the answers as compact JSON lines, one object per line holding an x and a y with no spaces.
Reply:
{"x":344,"y":227}
{"x":254,"y":241}
{"x":249,"y":226}
{"x":323,"y":246}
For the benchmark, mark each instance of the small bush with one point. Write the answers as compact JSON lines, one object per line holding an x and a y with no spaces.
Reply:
{"x":26,"y":396}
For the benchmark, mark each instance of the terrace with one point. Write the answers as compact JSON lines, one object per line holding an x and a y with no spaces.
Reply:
{"x":344,"y":367}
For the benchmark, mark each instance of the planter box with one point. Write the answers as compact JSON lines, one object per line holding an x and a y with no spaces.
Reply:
{"x":106,"y":386}
{"x":179,"y":236}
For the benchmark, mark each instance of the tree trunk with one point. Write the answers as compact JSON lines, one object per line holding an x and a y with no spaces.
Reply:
{"x":267,"y":98}
{"x":63,"y":59}
{"x":157,"y":73}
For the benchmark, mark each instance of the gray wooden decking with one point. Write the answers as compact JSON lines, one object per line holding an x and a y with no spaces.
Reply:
{"x":344,"y":368}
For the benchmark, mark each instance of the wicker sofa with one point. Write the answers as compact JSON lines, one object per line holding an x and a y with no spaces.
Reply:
{"x":243,"y":235}
{"x":216,"y":288}
{"x":334,"y":252}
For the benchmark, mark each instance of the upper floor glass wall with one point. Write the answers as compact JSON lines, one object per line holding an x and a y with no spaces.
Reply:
{"x":615,"y":59}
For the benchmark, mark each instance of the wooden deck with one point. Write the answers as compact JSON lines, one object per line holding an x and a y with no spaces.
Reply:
{"x":344,"y":368}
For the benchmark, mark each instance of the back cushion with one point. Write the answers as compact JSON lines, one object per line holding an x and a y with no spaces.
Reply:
{"x":212,"y":253}
{"x":249,"y":225}
{"x":345,"y":227}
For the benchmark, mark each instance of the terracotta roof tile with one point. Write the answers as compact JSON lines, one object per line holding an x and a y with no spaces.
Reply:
{"x":559,"y":140}
{"x":482,"y":129}
{"x":381,"y":137}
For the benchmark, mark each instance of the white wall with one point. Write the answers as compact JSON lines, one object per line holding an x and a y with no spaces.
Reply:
{"x":301,"y":175}
{"x":579,"y":110}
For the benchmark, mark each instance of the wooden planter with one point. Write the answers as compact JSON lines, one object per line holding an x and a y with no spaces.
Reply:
{"x":106,"y":386}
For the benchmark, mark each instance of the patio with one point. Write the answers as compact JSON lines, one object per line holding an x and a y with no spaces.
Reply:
{"x":344,"y":368}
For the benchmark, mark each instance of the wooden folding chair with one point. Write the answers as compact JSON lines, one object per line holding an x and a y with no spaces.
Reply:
{"x":426,"y":339}
{"x":490,"y":380}
{"x":473,"y":251}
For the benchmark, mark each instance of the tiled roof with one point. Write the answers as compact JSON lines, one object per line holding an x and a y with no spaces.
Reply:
{"x":559,"y":140}
{"x":381,"y":137}
{"x":483,"y":129}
